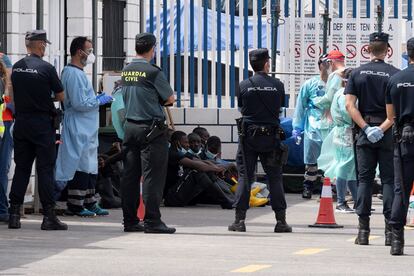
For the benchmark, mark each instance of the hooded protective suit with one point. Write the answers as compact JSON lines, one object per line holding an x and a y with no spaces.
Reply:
{"x":78,"y":152}
{"x":308,"y":118}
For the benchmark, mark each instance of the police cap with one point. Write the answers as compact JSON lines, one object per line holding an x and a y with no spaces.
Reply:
{"x":37,"y":35}
{"x":259,"y":55}
{"x":145,"y":39}
{"x":379,"y":37}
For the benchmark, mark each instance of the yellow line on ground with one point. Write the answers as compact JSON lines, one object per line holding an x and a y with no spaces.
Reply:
{"x":409,"y":227}
{"x":370,"y":238}
{"x":251,"y":268}
{"x":309,"y":251}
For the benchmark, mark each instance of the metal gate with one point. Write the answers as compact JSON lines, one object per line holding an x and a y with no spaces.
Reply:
{"x":203,"y":44}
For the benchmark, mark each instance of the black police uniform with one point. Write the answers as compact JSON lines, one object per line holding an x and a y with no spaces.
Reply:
{"x":144,"y":87}
{"x":368,"y":83}
{"x":34,"y":136}
{"x":259,"y":98}
{"x":400,"y":93}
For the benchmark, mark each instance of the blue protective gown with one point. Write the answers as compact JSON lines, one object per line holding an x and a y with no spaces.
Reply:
{"x":79,"y":150}
{"x":308,"y":118}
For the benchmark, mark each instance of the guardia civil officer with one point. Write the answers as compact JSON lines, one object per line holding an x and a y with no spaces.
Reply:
{"x":145,"y":90}
{"x":400,"y":107}
{"x":367,"y":85}
{"x":36,"y":85}
{"x":260,"y":99}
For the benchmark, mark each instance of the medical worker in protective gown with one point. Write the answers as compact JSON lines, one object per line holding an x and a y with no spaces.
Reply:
{"x":307,"y":118}
{"x":77,"y":161}
{"x":342,"y":166}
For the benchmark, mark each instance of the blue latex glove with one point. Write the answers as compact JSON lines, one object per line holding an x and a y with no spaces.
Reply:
{"x":374,"y":134}
{"x":296,"y":134}
{"x":104,"y":99}
{"x":10,"y":106}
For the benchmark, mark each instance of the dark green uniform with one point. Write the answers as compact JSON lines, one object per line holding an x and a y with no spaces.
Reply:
{"x":144,"y":88}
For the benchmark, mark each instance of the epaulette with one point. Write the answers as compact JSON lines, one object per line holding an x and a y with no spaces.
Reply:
{"x":159,"y":68}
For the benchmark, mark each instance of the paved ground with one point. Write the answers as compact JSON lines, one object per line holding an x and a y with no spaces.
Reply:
{"x":203,"y":246}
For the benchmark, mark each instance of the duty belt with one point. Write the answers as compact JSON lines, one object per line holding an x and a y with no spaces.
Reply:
{"x":374,"y":119}
{"x":143,"y":122}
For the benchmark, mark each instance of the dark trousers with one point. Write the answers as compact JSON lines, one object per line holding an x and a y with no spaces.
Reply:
{"x":147,"y":159}
{"x":190,"y":185}
{"x":247,"y":172}
{"x":34,"y":138}
{"x":81,"y":191}
{"x":404,"y":177}
{"x":368,"y":156}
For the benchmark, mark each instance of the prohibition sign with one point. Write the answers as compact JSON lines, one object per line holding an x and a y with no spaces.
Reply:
{"x":297,"y":50}
{"x":312,"y":51}
{"x":364,"y":52}
{"x":390,"y":52}
{"x":351,"y":51}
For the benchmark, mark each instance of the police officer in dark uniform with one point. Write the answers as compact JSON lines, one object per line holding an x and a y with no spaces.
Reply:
{"x":145,"y":91}
{"x":400,"y":107}
{"x":367,"y":84}
{"x":260,"y":99}
{"x":36,"y":85}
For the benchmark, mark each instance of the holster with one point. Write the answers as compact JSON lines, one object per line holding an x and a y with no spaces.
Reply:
{"x":240,"y":127}
{"x":156,"y":129}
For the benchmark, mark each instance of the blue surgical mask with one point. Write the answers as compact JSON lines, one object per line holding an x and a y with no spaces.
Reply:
{"x":194,"y":153}
{"x":210,"y":155}
{"x":182,"y":150}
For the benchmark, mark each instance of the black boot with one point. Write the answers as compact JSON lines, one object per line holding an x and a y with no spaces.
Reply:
{"x":397,"y":244}
{"x":108,"y":199}
{"x":363,"y":231}
{"x":14,"y":216}
{"x":307,"y":189}
{"x":281,"y":225}
{"x":388,"y":233}
{"x":157,"y":227}
{"x":50,"y":220}
{"x":238,"y":225}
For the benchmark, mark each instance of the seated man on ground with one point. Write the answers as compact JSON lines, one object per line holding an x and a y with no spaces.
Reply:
{"x":203,"y":133}
{"x":189,"y":176}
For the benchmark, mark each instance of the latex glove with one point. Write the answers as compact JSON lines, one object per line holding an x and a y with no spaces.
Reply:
{"x":374,"y":134}
{"x":296,"y":134}
{"x":408,"y":134}
{"x":10,"y":106}
{"x":104,"y":99}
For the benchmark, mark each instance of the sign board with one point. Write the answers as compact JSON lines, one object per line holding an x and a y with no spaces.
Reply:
{"x":350,"y":36}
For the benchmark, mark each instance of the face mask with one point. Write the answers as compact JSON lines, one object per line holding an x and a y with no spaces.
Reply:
{"x":210,"y":155}
{"x":194,"y":153}
{"x":182,"y":150}
{"x":91,"y":59}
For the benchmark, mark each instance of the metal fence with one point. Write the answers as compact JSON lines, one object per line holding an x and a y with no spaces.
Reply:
{"x":203,"y":45}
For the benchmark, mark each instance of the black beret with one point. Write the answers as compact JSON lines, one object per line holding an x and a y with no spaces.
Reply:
{"x":145,"y":39}
{"x":259,"y":55}
{"x":37,"y":35}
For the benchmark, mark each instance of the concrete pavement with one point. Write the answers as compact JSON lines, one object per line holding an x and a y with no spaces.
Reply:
{"x":203,"y":246}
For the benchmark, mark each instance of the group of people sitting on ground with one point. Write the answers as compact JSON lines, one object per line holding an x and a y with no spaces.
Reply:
{"x":197,"y":174}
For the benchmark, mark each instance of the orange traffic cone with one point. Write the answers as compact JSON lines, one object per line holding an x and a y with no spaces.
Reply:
{"x":326,"y":218}
{"x":141,"y":207}
{"x":410,"y":215}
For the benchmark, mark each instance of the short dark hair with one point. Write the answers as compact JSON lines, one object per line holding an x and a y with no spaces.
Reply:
{"x":78,"y":43}
{"x":142,"y":48}
{"x":378,"y":47}
{"x":176,"y":136}
{"x":410,"y":48}
{"x":199,"y":130}
{"x":258,"y":65}
{"x":213,"y":144}
{"x":193,"y":136}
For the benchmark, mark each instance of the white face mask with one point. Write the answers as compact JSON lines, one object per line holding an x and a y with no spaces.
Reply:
{"x":91,"y":59}
{"x":210,"y":155}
